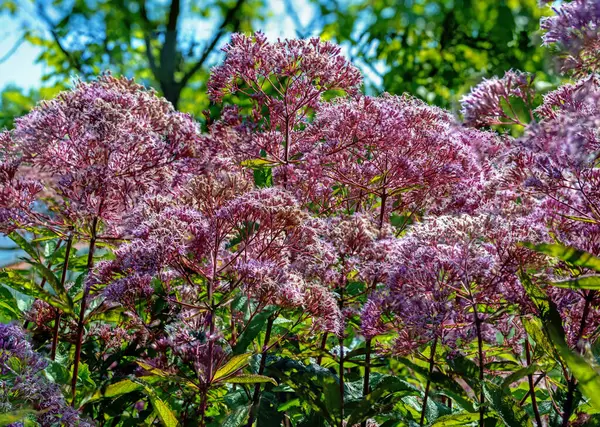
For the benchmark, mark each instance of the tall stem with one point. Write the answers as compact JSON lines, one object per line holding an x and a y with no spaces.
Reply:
{"x":63,"y":278}
{"x":536,"y":412}
{"x":428,"y":385}
{"x":572,"y":382}
{"x":481,"y":370}
{"x":322,"y":348}
{"x":211,"y":345}
{"x":368,"y":342}
{"x":81,"y":322}
{"x":261,"y":370}
{"x":341,"y":344}
{"x":368,"y":347}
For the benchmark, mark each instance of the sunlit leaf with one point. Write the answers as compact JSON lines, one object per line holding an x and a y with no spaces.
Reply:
{"x":234,"y":364}
{"x":249,"y":379}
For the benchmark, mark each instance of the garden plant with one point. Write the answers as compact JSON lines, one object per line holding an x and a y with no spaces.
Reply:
{"x":307,"y":255}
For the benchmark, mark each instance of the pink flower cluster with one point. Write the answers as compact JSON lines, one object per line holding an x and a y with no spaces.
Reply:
{"x":574,"y":30}
{"x":382,"y":212}
{"x":94,"y":151}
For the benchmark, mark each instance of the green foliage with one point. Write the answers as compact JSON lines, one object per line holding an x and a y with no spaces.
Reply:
{"x":436,"y":49}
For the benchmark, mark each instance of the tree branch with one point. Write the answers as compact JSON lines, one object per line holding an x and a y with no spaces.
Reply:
{"x":52,"y":29}
{"x":147,"y":40}
{"x":231,"y":13}
{"x":12,"y":50}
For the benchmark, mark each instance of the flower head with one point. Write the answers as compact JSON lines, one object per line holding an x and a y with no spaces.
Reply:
{"x":24,"y":386}
{"x":101,"y":146}
{"x":485,"y":104}
{"x":574,"y":30}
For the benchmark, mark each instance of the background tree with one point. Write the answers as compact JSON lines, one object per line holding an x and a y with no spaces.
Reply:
{"x":152,"y":40}
{"x":435,"y":49}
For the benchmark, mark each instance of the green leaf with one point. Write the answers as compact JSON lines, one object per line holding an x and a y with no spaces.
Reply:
{"x":506,"y":406}
{"x":53,"y":281}
{"x":9,"y":309}
{"x":518,"y":374}
{"x":308,"y":383}
{"x":456,"y":420}
{"x":237,"y":417}
{"x":381,"y":397}
{"x":24,"y":244}
{"x":250,"y":379}
{"x":168,"y":376}
{"x":263,"y":177}
{"x":234,"y":364}
{"x":588,"y":379}
{"x":583,"y":282}
{"x":117,"y":389}
{"x":13,"y":279}
{"x":567,"y":254}
{"x":255,"y":326}
{"x":256,"y":163}
{"x":165,"y":413}
{"x":15,"y":416}
{"x":58,"y":373}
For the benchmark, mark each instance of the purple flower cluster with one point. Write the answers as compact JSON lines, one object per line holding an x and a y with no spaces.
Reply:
{"x":574,"y":30}
{"x":95,"y":150}
{"x":23,"y":385}
{"x":379,"y":211}
{"x":489,"y":103}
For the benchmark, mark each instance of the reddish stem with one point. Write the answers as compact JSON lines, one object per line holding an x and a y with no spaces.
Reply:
{"x":81,"y":322}
{"x":63,"y":277}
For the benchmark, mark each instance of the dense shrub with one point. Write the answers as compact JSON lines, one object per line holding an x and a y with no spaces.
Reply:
{"x":317,"y":257}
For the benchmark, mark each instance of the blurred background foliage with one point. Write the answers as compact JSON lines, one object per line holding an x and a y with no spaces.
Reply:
{"x":434,"y":49}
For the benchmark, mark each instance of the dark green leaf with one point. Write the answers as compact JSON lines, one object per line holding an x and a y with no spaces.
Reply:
{"x":505,"y":406}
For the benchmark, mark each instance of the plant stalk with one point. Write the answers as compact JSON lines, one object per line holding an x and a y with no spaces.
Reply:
{"x":368,"y":342}
{"x":572,"y":382}
{"x":209,"y":296}
{"x":322,"y":348}
{"x":481,"y":369}
{"x":536,"y":412}
{"x":341,"y":344}
{"x":428,"y":385}
{"x":57,"y":316}
{"x":81,"y":322}
{"x":261,"y":370}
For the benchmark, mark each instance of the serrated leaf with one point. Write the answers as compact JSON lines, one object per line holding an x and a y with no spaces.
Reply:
{"x":53,"y":281}
{"x":388,"y":390}
{"x":254,"y":163}
{"x":16,"y":281}
{"x":164,"y":412}
{"x":8,"y":304}
{"x":588,"y":379}
{"x":167,"y":375}
{"x":237,"y":417}
{"x":517,"y":375}
{"x":58,"y":373}
{"x":250,"y":379}
{"x":255,"y":326}
{"x":234,"y":364}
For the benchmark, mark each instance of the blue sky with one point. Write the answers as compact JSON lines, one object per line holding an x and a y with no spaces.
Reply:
{"x":20,"y":68}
